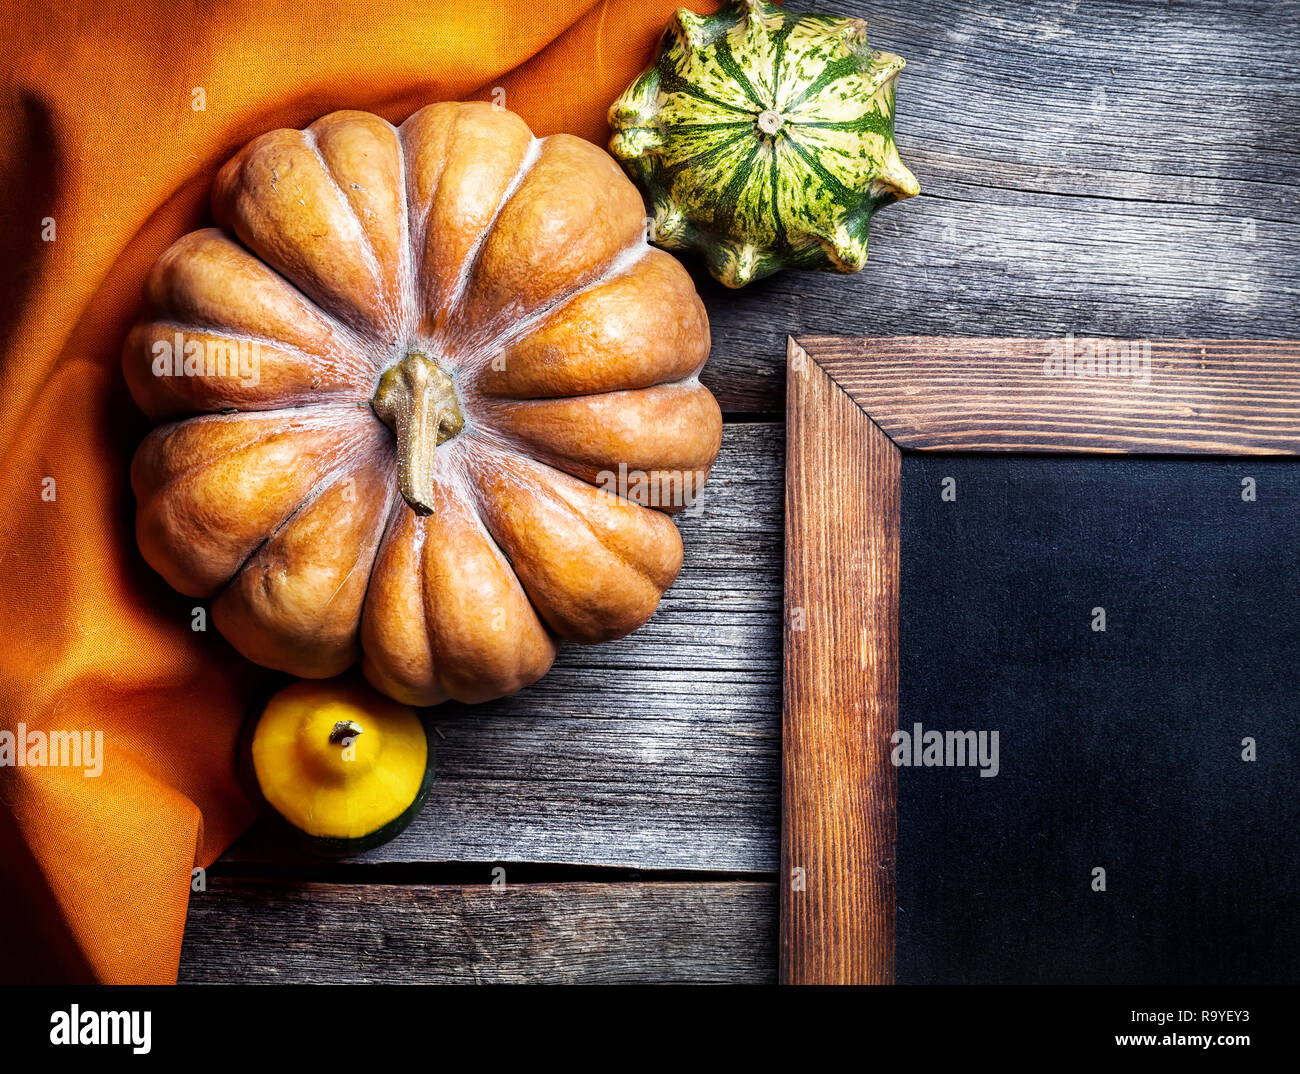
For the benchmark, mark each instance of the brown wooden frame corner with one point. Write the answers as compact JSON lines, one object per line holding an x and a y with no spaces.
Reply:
{"x":853,"y":407}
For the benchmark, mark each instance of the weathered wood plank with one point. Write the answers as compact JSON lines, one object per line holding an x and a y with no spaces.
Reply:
{"x":661,"y":750}
{"x":1128,"y":170}
{"x":582,"y":933}
{"x":838,"y":819}
{"x":1162,"y":396}
{"x":1123,"y":169}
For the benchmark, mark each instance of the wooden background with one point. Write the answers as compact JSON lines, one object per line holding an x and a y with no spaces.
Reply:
{"x":1116,"y":169}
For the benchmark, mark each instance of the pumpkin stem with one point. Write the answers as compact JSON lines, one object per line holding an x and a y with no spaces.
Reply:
{"x":770,"y":122}
{"x":344,"y":730}
{"x":417,"y":401}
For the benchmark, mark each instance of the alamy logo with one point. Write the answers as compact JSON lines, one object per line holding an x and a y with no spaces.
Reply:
{"x":22,"y":748}
{"x":1070,"y":357}
{"x":178,"y":357}
{"x":662,"y":488}
{"x":920,"y":748}
{"x":76,"y":1026}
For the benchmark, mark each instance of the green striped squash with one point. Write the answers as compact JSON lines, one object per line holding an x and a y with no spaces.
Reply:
{"x":764,"y":139}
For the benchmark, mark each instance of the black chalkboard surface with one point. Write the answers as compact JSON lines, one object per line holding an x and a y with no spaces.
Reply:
{"x":1124,"y":749}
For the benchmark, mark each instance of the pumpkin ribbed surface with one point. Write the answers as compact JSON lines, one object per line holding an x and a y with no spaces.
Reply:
{"x":406,"y":377}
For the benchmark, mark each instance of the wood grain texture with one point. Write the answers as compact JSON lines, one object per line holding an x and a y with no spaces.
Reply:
{"x":583,"y":933}
{"x":1164,"y":396}
{"x":658,"y":751}
{"x":1127,"y":169}
{"x":841,"y":687}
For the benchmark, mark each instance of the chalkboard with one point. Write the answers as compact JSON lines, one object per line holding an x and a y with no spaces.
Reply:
{"x":1130,"y":630}
{"x":1039,"y":685}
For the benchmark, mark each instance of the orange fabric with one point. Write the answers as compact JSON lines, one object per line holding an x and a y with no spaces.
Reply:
{"x":99,"y":133}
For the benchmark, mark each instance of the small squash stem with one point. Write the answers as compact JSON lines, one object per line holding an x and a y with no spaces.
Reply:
{"x":344,"y":730}
{"x":417,"y":401}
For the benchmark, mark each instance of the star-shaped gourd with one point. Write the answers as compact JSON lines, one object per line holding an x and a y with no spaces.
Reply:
{"x":764,"y":139}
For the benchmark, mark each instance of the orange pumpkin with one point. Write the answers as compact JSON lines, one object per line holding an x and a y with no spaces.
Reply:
{"x":432,"y":400}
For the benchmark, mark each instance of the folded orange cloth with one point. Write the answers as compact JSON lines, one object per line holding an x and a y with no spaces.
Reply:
{"x":114,"y":117}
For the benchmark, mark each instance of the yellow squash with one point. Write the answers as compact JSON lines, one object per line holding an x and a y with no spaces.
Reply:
{"x":343,"y":766}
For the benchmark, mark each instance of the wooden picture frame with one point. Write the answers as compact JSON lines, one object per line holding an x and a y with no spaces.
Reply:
{"x":853,"y":407}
